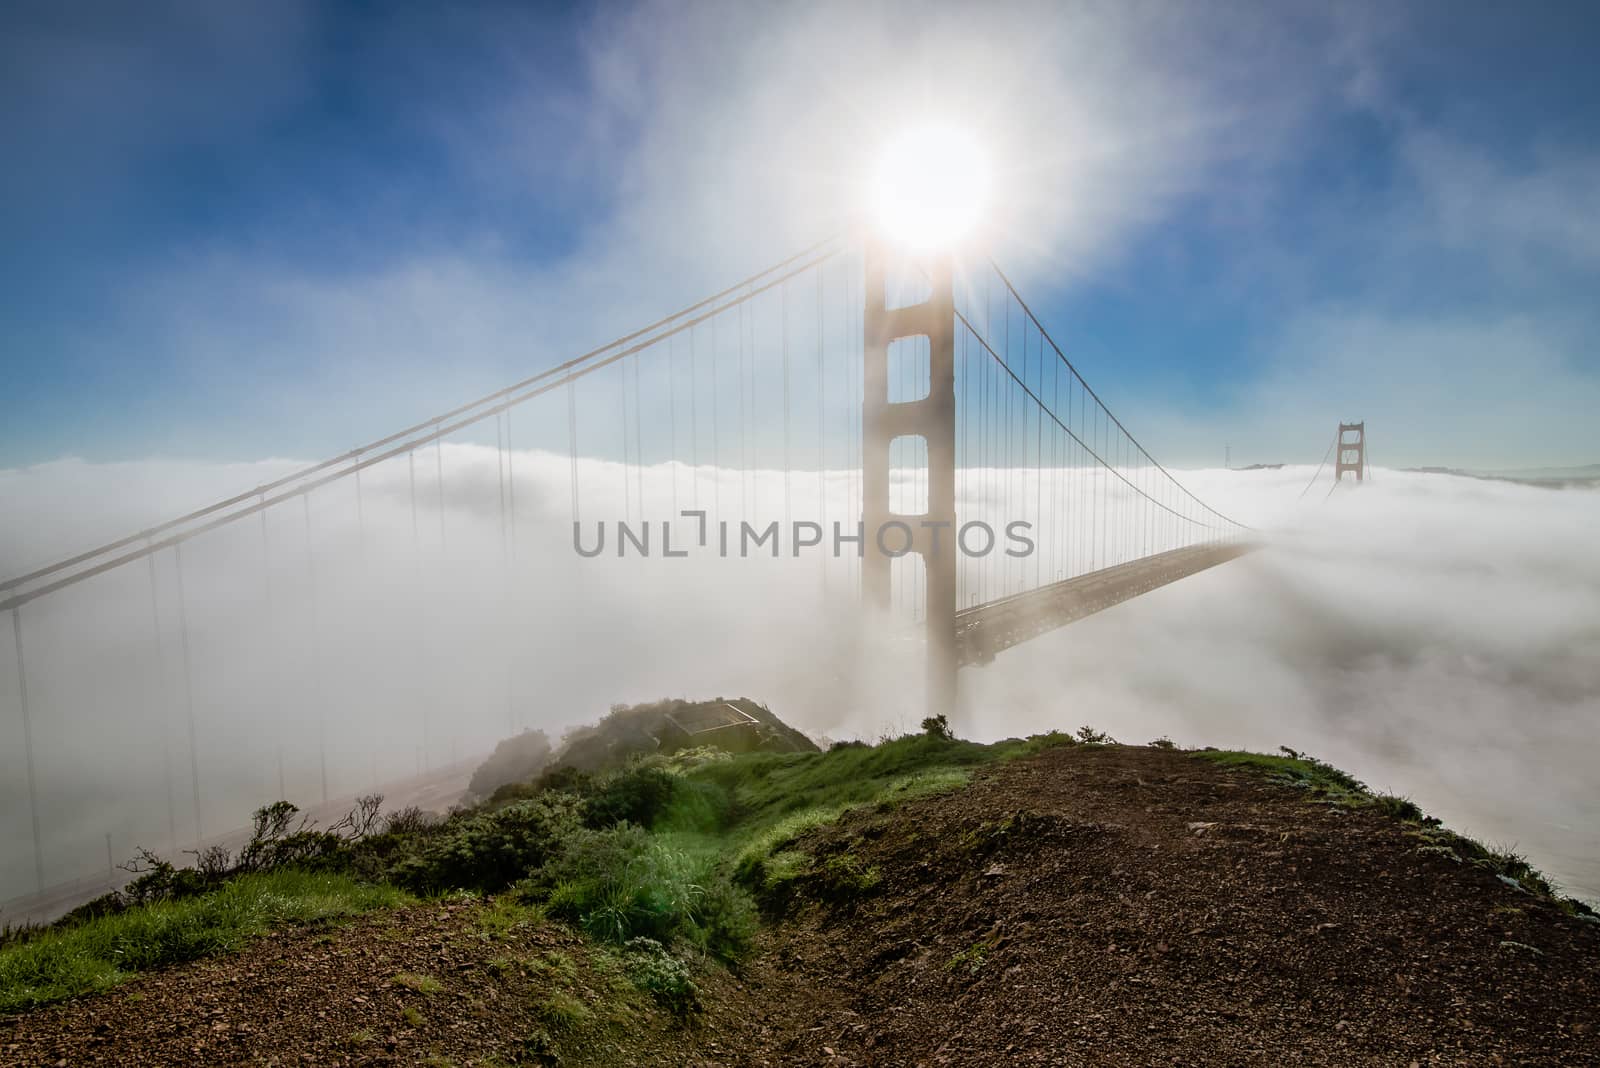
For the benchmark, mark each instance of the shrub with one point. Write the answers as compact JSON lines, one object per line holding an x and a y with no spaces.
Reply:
{"x":566,"y":779}
{"x":621,"y":883}
{"x":1163,"y":742}
{"x":639,"y":795}
{"x":515,"y":760}
{"x":938,"y":727}
{"x":845,"y":878}
{"x":489,"y":850}
{"x":663,"y":976}
{"x":1087,"y":735}
{"x":724,"y":920}
{"x":410,"y":820}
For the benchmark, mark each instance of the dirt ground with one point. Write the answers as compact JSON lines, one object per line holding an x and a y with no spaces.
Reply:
{"x":1085,"y":906}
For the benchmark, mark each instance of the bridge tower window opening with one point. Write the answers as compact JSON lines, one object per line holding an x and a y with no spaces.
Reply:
{"x":908,"y":369}
{"x":1352,"y":452}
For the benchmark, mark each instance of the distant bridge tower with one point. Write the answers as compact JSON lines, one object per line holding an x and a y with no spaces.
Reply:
{"x":1352,"y":451}
{"x":932,"y":534}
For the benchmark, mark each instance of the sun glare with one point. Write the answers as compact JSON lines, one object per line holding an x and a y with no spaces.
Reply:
{"x":931,"y":186}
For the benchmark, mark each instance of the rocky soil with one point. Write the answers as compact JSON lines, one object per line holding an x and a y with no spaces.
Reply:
{"x":1085,"y":906}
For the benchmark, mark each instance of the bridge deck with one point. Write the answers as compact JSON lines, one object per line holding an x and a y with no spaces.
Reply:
{"x":986,"y":629}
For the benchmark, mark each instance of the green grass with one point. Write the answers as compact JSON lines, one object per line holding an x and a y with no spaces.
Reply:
{"x":776,"y":799}
{"x":969,"y":960}
{"x":560,"y":1010}
{"x":1325,"y":780}
{"x":1328,"y":784}
{"x":720,"y":815}
{"x":764,"y":788}
{"x":102,"y":952}
{"x":506,"y":915}
{"x":422,"y":984}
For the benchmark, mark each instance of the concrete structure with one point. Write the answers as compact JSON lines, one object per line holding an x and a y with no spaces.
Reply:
{"x":1351,"y":451}
{"x":719,"y":723}
{"x":932,"y":418}
{"x":986,"y":629}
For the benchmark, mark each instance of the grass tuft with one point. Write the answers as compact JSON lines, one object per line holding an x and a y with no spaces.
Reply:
{"x":98,"y":953}
{"x":422,"y":984}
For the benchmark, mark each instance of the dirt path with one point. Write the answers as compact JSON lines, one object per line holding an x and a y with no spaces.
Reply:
{"x":1086,"y":906}
{"x":1133,"y":906}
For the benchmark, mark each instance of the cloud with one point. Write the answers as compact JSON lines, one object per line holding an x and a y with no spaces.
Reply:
{"x":694,"y":146}
{"x":1432,"y":634}
{"x":1523,"y":217}
{"x":1471,"y":390}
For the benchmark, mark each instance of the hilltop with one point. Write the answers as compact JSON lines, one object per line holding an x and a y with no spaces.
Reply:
{"x":922,"y":901}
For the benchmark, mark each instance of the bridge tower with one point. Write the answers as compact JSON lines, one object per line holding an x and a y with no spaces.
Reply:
{"x":932,"y":534}
{"x":1352,"y":451}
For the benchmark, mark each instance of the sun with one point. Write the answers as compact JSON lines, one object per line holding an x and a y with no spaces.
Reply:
{"x":931,"y":186}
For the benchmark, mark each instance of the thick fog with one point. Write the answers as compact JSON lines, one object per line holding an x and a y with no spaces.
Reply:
{"x":1435,"y":635}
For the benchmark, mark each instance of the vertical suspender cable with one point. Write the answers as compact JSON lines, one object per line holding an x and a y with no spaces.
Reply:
{"x":694,"y":413}
{"x":822,"y":480}
{"x":266,"y":613}
{"x":361,"y":509}
{"x":161,"y":699}
{"x":716,"y":418}
{"x":319,"y":707}
{"x":188,"y":690}
{"x":638,"y":441}
{"x":500,"y":481}
{"x":505,"y":570}
{"x":425,"y":689}
{"x":784,"y":348}
{"x":27,"y":747}
{"x":672,"y":415}
{"x":744,"y":457}
{"x":511,"y":484}
{"x":572,"y":448}
{"x":1038,"y":474}
{"x":622,"y":393}
{"x":438,"y":457}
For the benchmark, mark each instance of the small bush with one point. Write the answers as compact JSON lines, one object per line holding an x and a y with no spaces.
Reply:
{"x":566,"y":779}
{"x":938,"y":727}
{"x":663,"y":976}
{"x":622,"y":883}
{"x":639,"y":795}
{"x":1163,"y":742}
{"x":410,"y":820}
{"x":1402,"y":808}
{"x":489,"y":850}
{"x":562,"y":1011}
{"x":1087,"y":735}
{"x":846,"y":877}
{"x":969,"y":960}
{"x":517,"y":759}
{"x":724,"y":920}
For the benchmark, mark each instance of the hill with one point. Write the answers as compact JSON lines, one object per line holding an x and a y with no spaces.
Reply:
{"x":923,"y":901}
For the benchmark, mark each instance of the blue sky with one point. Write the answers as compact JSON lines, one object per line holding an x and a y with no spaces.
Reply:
{"x":241,"y":231}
